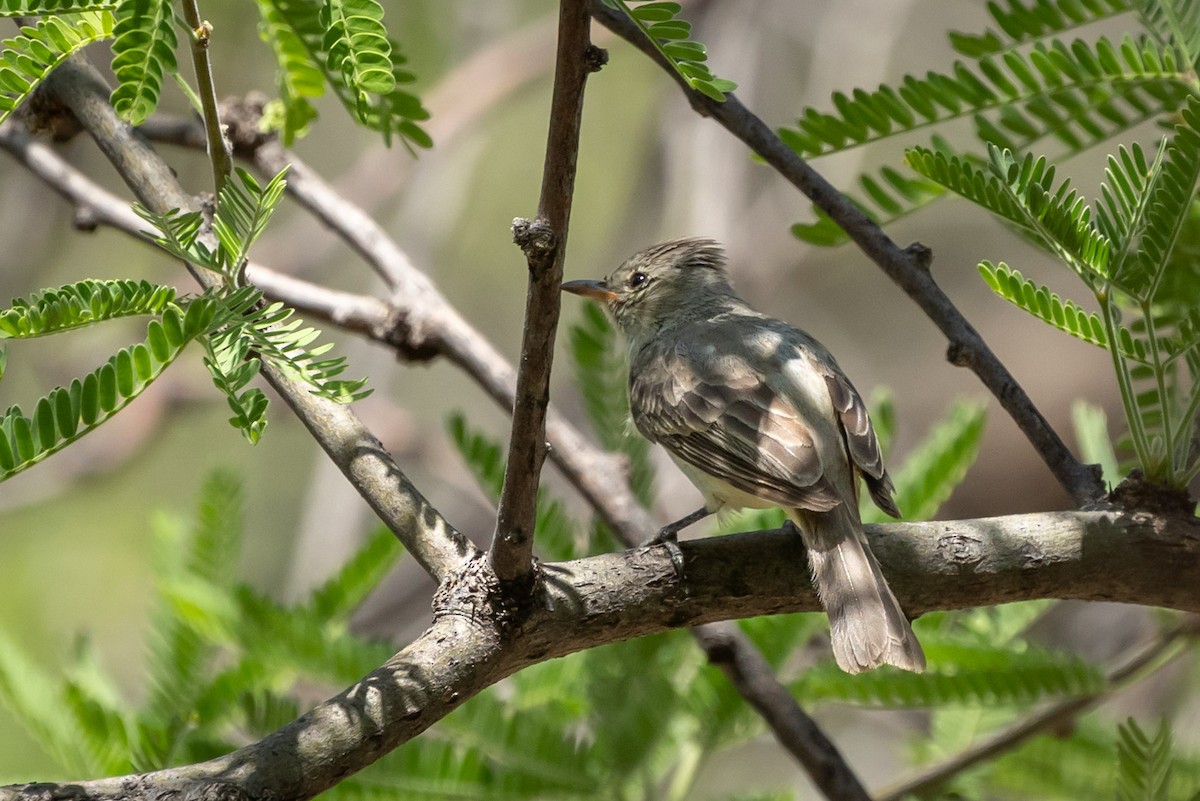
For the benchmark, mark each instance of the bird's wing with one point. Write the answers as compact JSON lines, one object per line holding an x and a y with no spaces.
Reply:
{"x":716,"y":411}
{"x":861,"y":442}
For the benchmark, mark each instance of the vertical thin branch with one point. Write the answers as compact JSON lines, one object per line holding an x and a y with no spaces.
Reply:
{"x":544,"y":243}
{"x":218,"y":148}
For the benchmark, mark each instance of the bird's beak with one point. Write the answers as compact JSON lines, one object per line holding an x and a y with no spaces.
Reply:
{"x":590,"y":289}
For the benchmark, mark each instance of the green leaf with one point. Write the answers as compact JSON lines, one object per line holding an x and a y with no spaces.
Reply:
{"x":1065,"y":315}
{"x":33,"y":697}
{"x":299,"y":79}
{"x":601,"y":374}
{"x":660,"y":24}
{"x":34,"y":8}
{"x":1053,"y":89}
{"x":64,"y":415}
{"x":958,"y":673}
{"x":1143,"y":763}
{"x":243,"y":211}
{"x":144,"y":50}
{"x":26,"y":59}
{"x":1023,"y":192}
{"x":1095,"y":445}
{"x":338,"y":597}
{"x":394,"y":112}
{"x":1019,"y":23}
{"x":937,"y":465}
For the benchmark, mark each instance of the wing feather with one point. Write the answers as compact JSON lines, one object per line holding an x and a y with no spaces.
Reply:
{"x":716,"y":411}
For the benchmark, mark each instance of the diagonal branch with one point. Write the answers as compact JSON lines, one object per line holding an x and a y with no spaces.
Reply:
{"x":749,"y":672}
{"x":544,"y":242}
{"x":1149,"y":658}
{"x":370,"y":469}
{"x":907,"y":267}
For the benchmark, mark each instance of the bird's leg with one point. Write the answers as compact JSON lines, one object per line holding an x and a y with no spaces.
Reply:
{"x":670,"y":532}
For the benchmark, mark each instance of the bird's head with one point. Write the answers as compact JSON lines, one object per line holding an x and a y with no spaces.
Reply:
{"x":675,"y":280}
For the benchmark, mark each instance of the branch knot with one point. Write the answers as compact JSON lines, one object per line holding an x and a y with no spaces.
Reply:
{"x":594,"y":58}
{"x":536,"y":239}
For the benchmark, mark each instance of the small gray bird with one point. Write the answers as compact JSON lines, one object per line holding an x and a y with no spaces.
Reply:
{"x":757,"y":414}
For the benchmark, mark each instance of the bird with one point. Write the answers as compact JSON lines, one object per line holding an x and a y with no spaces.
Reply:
{"x":757,"y":414}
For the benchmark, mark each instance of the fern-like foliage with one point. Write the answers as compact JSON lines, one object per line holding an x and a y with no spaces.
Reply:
{"x":33,"y":8}
{"x":1122,"y":251}
{"x":300,"y":81}
{"x":601,"y":375}
{"x":1020,"y":24}
{"x":930,"y":473}
{"x":661,"y":24}
{"x":362,"y":66}
{"x":73,"y":306}
{"x":68,"y":413}
{"x":1065,"y":315}
{"x":244,"y":207}
{"x":958,"y":674}
{"x":222,"y":658}
{"x":558,"y":535}
{"x":143,"y":52}
{"x":26,"y":59}
{"x":1022,"y":85}
{"x":357,"y":47}
{"x":1143,"y":762}
{"x":249,"y":329}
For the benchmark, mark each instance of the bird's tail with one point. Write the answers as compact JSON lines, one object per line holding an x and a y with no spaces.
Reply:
{"x":869,"y":628}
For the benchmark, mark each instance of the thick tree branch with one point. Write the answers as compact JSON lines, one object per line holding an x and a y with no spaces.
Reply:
{"x":544,"y":243}
{"x":907,"y":267}
{"x":1136,"y":558}
{"x":425,"y":533}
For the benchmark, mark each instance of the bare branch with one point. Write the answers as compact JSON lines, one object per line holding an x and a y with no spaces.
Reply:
{"x":200,"y":35}
{"x":1151,"y":657}
{"x":727,"y":647}
{"x":544,"y":242}
{"x":425,"y":533}
{"x":907,"y":267}
{"x":474,"y":643}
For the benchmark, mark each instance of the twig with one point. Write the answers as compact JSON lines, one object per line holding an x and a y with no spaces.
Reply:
{"x":1150,"y":658}
{"x":907,"y":267}
{"x":218,"y":148}
{"x":751,"y":675}
{"x":419,"y":526}
{"x":544,"y":242}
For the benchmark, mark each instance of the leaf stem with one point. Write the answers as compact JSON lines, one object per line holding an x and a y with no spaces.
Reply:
{"x":1160,"y":382}
{"x":1137,"y":431}
{"x":200,"y":34}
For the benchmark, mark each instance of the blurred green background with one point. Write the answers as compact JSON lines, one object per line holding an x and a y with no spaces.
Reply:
{"x":75,"y":532}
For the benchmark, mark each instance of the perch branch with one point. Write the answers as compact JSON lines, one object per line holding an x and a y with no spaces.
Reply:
{"x":600,"y":599}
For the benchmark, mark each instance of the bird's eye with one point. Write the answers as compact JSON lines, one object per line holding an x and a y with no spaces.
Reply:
{"x":637,"y":279}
